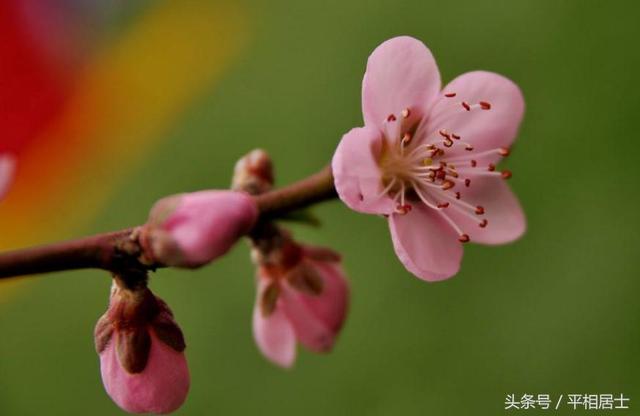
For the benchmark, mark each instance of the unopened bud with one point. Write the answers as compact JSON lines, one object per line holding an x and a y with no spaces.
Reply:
{"x":141,"y":350}
{"x":253,"y":173}
{"x":190,"y":230}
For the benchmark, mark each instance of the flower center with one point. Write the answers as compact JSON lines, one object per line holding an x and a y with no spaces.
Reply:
{"x":434,"y":167}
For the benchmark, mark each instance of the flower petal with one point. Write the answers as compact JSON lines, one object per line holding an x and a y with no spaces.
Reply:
{"x":310,"y":330}
{"x":401,"y":73}
{"x":356,"y":173}
{"x":273,"y":334}
{"x":484,"y":129}
{"x":425,"y":243}
{"x":161,"y":388}
{"x":7,"y":168}
{"x":506,"y":220}
{"x":333,"y":302}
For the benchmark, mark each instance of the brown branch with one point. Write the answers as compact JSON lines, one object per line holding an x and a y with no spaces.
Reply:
{"x":120,"y":250}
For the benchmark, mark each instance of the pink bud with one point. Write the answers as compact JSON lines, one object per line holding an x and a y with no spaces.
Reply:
{"x":302,"y":296}
{"x":253,"y":173}
{"x":7,"y":168}
{"x":190,"y":230}
{"x":141,"y":350}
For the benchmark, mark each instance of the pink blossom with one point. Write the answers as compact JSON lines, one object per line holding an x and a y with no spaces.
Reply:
{"x":7,"y":168}
{"x":141,"y":350}
{"x":303,"y":297}
{"x":190,"y":230}
{"x":426,"y":158}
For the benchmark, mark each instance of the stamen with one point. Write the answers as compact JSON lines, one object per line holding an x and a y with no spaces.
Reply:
{"x":406,"y":113}
{"x":491,"y":167}
{"x":391,"y":117}
{"x":479,"y":210}
{"x":473,"y":163}
{"x":403,"y":209}
{"x":467,"y":182}
{"x":485,"y":105}
{"x":450,"y":94}
{"x":448,"y":185}
{"x":464,"y":238}
{"x":483,"y":223}
{"x":506,"y":174}
{"x":455,"y":136}
{"x":504,"y":151}
{"x":466,"y":106}
{"x":443,"y":205}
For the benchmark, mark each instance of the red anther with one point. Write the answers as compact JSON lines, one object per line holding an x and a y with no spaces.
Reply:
{"x":491,"y":167}
{"x":450,"y":94}
{"x":467,"y":182}
{"x":440,"y":152}
{"x":443,"y":164}
{"x":441,"y":174}
{"x":506,"y":174}
{"x":504,"y":151}
{"x":444,"y":133}
{"x":485,"y":105}
{"x":455,"y":136}
{"x":457,"y":195}
{"x":483,"y":223}
{"x":479,"y":210}
{"x":468,"y":148}
{"x":466,"y":106}
{"x":391,"y":117}
{"x":447,"y":142}
{"x":473,"y":163}
{"x":403,"y":209}
{"x":406,"y":113}
{"x":463,"y":238}
{"x":453,"y":173}
{"x":443,"y":205}
{"x":448,"y":185}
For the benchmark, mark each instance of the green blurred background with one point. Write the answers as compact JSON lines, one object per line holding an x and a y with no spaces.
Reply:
{"x":554,"y":313}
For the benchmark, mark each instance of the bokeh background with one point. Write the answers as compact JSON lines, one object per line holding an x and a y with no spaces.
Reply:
{"x":110,"y":105}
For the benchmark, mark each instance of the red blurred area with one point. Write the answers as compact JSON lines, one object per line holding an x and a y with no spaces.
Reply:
{"x":33,"y":87}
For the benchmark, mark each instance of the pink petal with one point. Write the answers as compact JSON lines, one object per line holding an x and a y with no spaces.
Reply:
{"x":311,"y":331}
{"x":506,"y":221}
{"x":332,"y":304}
{"x":7,"y":168}
{"x":356,"y":172}
{"x":484,"y":129}
{"x":401,"y":73}
{"x":425,"y":243}
{"x":161,"y":388}
{"x":274,"y":334}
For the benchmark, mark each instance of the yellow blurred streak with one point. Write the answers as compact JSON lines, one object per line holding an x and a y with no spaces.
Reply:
{"x":125,"y":100}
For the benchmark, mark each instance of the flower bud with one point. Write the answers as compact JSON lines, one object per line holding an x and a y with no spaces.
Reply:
{"x":141,"y":351}
{"x":253,"y":173}
{"x":302,"y":296}
{"x":190,"y":230}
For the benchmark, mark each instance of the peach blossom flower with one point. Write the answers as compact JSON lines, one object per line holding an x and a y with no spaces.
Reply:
{"x":426,"y":158}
